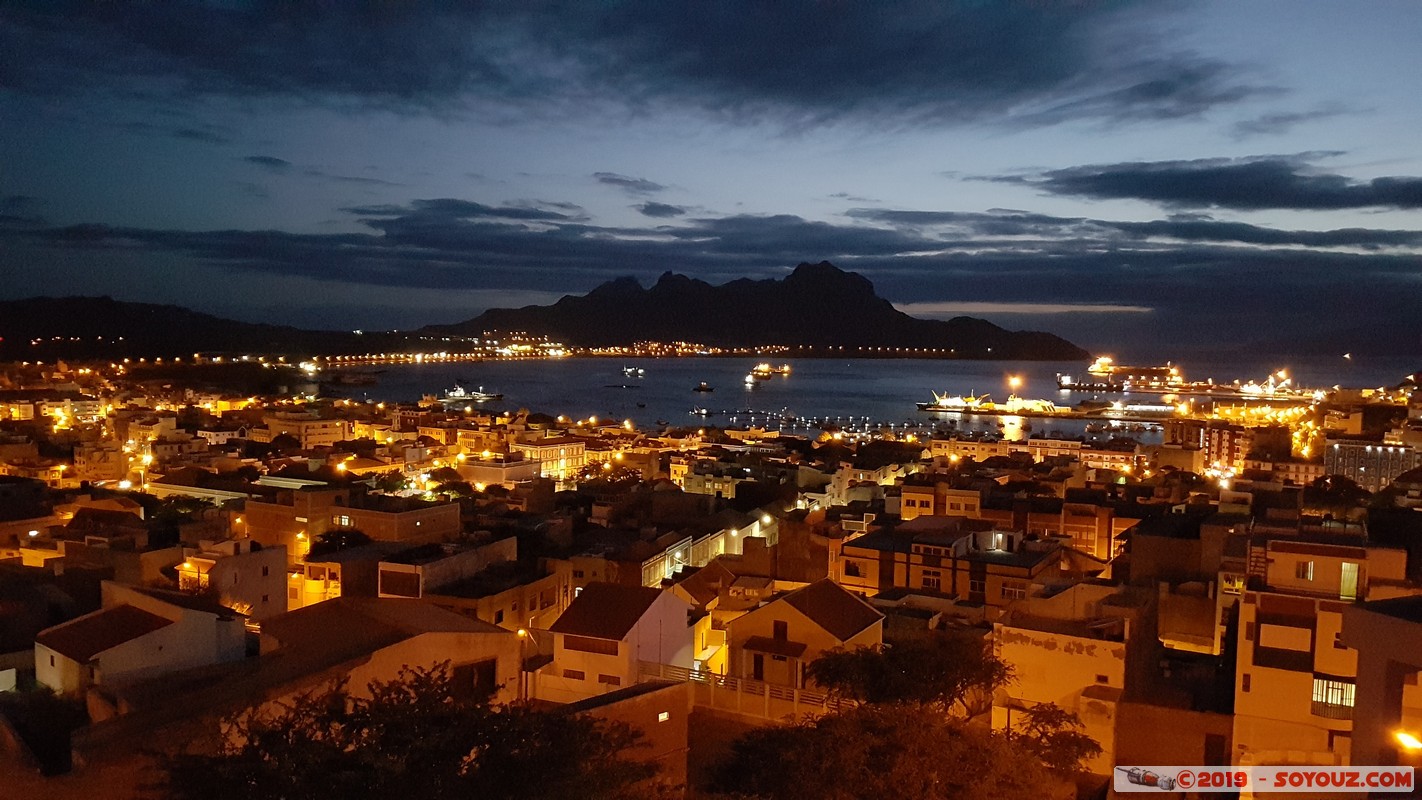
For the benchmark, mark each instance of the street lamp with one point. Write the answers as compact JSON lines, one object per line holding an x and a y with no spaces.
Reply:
{"x":1408,"y":741}
{"x":1014,"y":382}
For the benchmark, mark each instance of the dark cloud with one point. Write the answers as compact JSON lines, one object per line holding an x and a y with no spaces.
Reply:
{"x":1180,"y":227}
{"x":1032,"y":63}
{"x":270,"y":162}
{"x":451,"y":211}
{"x":627,"y":183}
{"x":661,"y":210}
{"x":204,"y":134}
{"x":1244,"y":183}
{"x":853,"y":198}
{"x":1281,"y":122}
{"x":355,"y":179}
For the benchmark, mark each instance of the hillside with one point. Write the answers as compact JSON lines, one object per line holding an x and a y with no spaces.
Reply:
{"x":817,"y":304}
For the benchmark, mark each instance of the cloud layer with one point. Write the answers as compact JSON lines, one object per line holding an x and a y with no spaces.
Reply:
{"x":1241,"y":183}
{"x":915,"y":62}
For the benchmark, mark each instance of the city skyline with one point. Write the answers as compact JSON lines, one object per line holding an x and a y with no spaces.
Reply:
{"x":1191,"y":174}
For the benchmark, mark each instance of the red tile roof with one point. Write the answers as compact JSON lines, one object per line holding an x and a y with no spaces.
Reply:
{"x":834,"y":608}
{"x":83,"y":638}
{"x":606,"y":611}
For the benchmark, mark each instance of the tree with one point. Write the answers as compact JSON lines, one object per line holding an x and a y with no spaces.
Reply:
{"x":392,"y":482}
{"x":417,"y":737}
{"x":883,"y":752}
{"x":1055,"y":736}
{"x":336,"y":540}
{"x":928,"y":668}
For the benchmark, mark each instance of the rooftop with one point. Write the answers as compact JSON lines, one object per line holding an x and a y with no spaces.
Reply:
{"x":86,"y":637}
{"x":606,"y":611}
{"x":834,"y":608}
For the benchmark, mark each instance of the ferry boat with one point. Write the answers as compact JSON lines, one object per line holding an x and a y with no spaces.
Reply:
{"x":461,"y":396}
{"x":1105,"y":375}
{"x":633,"y":372}
{"x":944,"y":402}
{"x":703,"y":387}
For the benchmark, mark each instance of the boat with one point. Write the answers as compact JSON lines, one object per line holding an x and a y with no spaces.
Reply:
{"x":1105,"y":375}
{"x":703,"y":387}
{"x":765,"y":370}
{"x":945,"y":402}
{"x":751,"y":379}
{"x":703,"y":412}
{"x":633,"y":372}
{"x":461,"y":396}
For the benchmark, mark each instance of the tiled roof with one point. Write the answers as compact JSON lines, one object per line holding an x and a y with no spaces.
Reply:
{"x":606,"y":611}
{"x":83,"y":638}
{"x":833,"y":608}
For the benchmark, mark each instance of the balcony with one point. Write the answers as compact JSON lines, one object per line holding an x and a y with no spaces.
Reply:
{"x":1332,"y":710}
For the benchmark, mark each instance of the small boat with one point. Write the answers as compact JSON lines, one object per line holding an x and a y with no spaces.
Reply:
{"x":641,"y":405}
{"x":703,"y":387}
{"x":633,"y":372}
{"x":751,"y":379}
{"x":703,"y":412}
{"x":621,"y":386}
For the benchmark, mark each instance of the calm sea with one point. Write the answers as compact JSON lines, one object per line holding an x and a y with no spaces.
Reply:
{"x":848,"y":391}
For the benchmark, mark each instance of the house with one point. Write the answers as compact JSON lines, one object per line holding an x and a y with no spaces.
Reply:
{"x":250,"y":579}
{"x":139,"y":633}
{"x":606,"y":631}
{"x":1296,"y":675}
{"x":774,"y":642}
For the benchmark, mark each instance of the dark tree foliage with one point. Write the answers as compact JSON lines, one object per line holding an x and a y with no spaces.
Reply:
{"x":339,"y":539}
{"x":415,"y":738}
{"x":1055,"y":736}
{"x":934,"y":669}
{"x":392,"y":481}
{"x":883,"y":752}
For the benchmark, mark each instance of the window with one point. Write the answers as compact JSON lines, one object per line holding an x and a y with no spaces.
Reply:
{"x":851,"y":570}
{"x":1103,"y":679}
{"x":1249,"y":631}
{"x":663,"y":716}
{"x":932,"y":579}
{"x":977,"y":586}
{"x":266,"y":598}
{"x":1332,"y":692}
{"x":1304,"y":570}
{"x":266,"y":571}
{"x":577,"y":573}
{"x":51,"y":661}
{"x":1244,"y":683}
{"x":780,"y":630}
{"x":610,"y":680}
{"x":1014,"y":590}
{"x":574,"y":674}
{"x":499,"y":617}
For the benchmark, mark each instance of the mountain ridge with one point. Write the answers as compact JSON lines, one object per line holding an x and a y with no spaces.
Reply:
{"x":816,"y":305}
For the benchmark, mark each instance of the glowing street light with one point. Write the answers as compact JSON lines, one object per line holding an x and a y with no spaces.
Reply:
{"x":1408,"y":740}
{"x":1014,"y":382}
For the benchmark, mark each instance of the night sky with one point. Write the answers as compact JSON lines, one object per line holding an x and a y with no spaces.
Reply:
{"x":1159,"y":178}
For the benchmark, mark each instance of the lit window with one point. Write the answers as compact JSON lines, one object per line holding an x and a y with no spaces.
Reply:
{"x":1303,"y":570}
{"x":1333,"y":693}
{"x":664,"y":716}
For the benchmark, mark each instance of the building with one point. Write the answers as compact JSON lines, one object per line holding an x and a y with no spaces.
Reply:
{"x":309,"y":430}
{"x":952,"y":557}
{"x":1387,"y":706}
{"x":138,"y":634}
{"x":420,"y":570}
{"x":559,"y":457}
{"x":1296,"y":678}
{"x":251,"y":580}
{"x":606,"y":631}
{"x":775,"y":641}
{"x":1372,"y":465}
{"x":294,"y":519}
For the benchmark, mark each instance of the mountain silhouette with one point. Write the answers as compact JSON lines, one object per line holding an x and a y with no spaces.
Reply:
{"x":816,"y":305}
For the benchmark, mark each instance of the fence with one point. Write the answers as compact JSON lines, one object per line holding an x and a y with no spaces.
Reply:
{"x":744,"y":696}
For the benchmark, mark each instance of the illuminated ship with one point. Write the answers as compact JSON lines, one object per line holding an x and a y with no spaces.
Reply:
{"x":1105,"y":375}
